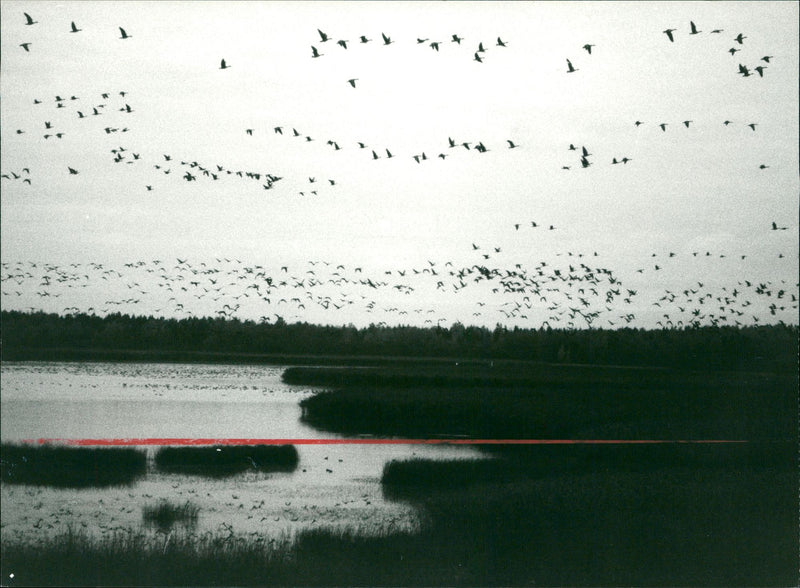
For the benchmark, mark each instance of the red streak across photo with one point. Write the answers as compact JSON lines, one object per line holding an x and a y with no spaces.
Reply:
{"x":373,"y":441}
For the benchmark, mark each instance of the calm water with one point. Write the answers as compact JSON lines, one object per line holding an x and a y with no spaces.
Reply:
{"x":122,"y":400}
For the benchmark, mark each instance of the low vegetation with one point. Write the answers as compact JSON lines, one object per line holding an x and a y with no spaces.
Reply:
{"x":226,"y":460}
{"x":165,"y":514}
{"x":71,"y":467}
{"x":672,"y":526}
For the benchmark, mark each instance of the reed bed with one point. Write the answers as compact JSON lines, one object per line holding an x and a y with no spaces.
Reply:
{"x":575,"y":411}
{"x":165,"y":514}
{"x":226,"y":460}
{"x":677,"y":527}
{"x":71,"y":467}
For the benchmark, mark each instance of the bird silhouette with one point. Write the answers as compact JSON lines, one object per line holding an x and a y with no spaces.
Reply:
{"x":28,"y":19}
{"x":456,"y":39}
{"x":73,"y":172}
{"x":588,"y":48}
{"x":477,"y":58}
{"x":500,"y":42}
{"x":223,"y":65}
{"x":364,"y":39}
{"x":25,"y":46}
{"x":694,"y":28}
{"x":511,"y":144}
{"x":760,"y":69}
{"x":314,"y":52}
{"x":740,"y":38}
{"x":386,"y":40}
{"x":570,"y":69}
{"x":663,"y":126}
{"x":323,"y":37}
{"x":123,"y":34}
{"x":668,"y":33}
{"x":352,"y":82}
{"x":73,"y":28}
{"x":342,"y":43}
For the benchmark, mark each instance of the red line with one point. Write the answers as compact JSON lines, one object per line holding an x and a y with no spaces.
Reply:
{"x":374,"y":441}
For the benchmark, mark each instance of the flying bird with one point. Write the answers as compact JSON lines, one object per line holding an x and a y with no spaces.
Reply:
{"x":570,"y":69}
{"x":314,"y":52}
{"x":74,"y":29}
{"x":668,"y":33}
{"x":73,"y":172}
{"x":25,"y":46}
{"x":352,"y":82}
{"x":323,"y":37}
{"x":364,"y":39}
{"x":123,"y":34}
{"x":686,"y":122}
{"x":28,"y":19}
{"x":694,"y":28}
{"x":500,"y":42}
{"x":342,"y":43}
{"x":766,"y":58}
{"x":223,"y":65}
{"x":386,"y":40}
{"x":511,"y":144}
{"x":457,"y":39}
{"x":760,"y":69}
{"x":477,"y":58}
{"x":588,"y":48}
{"x":740,"y":38}
{"x":663,"y":126}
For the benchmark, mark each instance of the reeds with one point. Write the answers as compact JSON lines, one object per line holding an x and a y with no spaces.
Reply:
{"x":672,"y":527}
{"x":165,"y":514}
{"x":71,"y":467}
{"x":226,"y":460}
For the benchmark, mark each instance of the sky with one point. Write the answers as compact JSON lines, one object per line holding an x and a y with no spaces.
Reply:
{"x":395,"y":240}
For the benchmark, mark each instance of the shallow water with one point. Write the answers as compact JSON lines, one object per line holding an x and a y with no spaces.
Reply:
{"x":333,"y":485}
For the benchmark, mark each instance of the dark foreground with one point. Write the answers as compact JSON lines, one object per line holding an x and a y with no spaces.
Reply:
{"x":686,"y":513}
{"x":663,"y":526}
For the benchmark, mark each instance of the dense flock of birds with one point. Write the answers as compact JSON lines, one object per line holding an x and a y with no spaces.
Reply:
{"x":579,"y":293}
{"x":573,"y":292}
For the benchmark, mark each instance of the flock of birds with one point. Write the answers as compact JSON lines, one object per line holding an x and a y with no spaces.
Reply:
{"x":385,"y":40}
{"x":546,"y":294}
{"x":575,"y":291}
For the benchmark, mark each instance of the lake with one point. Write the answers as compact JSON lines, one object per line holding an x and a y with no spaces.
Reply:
{"x":332,"y":486}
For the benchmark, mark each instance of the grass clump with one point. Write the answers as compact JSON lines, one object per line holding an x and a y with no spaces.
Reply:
{"x":226,"y":460}
{"x":166,"y":514}
{"x":71,"y":467}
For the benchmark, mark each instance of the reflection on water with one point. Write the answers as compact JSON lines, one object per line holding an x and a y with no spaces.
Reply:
{"x":333,"y":486}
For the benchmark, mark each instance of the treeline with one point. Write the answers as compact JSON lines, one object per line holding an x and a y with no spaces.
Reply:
{"x":51,"y":336}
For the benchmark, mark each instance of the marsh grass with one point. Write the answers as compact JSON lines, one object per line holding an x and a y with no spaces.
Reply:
{"x":670,"y":527}
{"x":165,"y":514}
{"x":71,"y":467}
{"x":573,"y":411}
{"x":226,"y":460}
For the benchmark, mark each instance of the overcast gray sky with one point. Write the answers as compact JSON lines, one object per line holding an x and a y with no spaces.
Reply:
{"x":685,"y":190}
